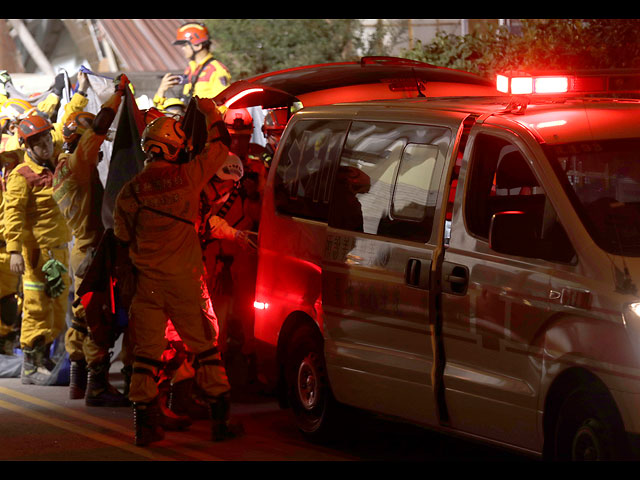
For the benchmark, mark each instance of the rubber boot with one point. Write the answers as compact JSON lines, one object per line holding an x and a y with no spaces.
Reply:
{"x":78,"y":379}
{"x":34,"y":372}
{"x":222,"y":427}
{"x":184,"y":400}
{"x":100,"y":393}
{"x":146,"y":422}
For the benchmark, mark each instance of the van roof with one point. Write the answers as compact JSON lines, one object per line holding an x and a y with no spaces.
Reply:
{"x":555,"y":122}
{"x":370,"y":78}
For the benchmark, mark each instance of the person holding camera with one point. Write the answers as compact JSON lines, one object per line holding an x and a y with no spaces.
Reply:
{"x":204,"y":76}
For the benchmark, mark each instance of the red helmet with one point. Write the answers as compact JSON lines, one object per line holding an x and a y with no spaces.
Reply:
{"x":192,"y":32}
{"x":163,"y":137}
{"x":33,"y":125}
{"x":238,"y":120}
{"x":76,"y":125}
{"x":275,"y":121}
{"x":151,"y":114}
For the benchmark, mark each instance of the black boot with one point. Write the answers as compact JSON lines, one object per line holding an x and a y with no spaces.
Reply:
{"x":100,"y":393}
{"x":46,"y":358}
{"x":184,"y":400}
{"x":146,"y":422}
{"x":222,"y":427}
{"x":171,"y":420}
{"x":126,"y":371}
{"x":77,"y":379}
{"x":34,"y":371}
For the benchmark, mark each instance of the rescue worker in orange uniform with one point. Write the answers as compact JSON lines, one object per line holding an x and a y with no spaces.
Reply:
{"x":37,"y":236}
{"x":155,"y":214}
{"x":231,"y":265}
{"x":78,"y":192}
{"x":204,"y":77}
{"x":274,"y":124}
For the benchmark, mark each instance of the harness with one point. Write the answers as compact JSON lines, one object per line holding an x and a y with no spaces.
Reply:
{"x":193,"y":78}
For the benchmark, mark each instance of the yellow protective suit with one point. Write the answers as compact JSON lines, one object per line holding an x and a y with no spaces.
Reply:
{"x":35,"y":227}
{"x":166,"y":253}
{"x":9,"y":281}
{"x":78,"y":192}
{"x":210,"y":81}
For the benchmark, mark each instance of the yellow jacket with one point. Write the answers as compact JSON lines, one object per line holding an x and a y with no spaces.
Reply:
{"x":31,"y":216}
{"x":160,"y":246}
{"x":213,"y":78}
{"x":77,"y":188}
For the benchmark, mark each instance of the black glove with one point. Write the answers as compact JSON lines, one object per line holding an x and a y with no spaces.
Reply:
{"x":58,"y":84}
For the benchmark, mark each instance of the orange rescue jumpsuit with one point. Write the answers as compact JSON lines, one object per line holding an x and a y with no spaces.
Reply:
{"x":167,"y":255}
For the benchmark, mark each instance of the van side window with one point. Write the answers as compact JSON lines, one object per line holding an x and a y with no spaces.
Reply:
{"x":306,"y":168}
{"x":501,"y":181}
{"x":388,"y":179}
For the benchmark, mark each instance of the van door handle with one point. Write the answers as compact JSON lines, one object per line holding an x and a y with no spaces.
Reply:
{"x":455,"y":278}
{"x":417,"y":273}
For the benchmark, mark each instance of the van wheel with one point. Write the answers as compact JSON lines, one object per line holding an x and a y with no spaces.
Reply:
{"x":308,"y":389}
{"x":589,"y":428}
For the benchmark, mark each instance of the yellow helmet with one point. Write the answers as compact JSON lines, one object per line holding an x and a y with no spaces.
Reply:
{"x":14,"y":109}
{"x":172,"y":102}
{"x":163,"y":137}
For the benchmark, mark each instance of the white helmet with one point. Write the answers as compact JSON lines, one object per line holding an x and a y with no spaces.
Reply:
{"x":231,"y":169}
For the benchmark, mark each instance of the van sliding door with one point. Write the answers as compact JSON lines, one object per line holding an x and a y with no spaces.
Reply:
{"x":375,"y":281}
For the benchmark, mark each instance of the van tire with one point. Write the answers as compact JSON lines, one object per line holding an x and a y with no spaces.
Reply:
{"x":308,"y":390}
{"x":589,"y":428}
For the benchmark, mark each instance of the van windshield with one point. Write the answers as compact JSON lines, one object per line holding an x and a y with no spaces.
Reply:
{"x":602,"y":180}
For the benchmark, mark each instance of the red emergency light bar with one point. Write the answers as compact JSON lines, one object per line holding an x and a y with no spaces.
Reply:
{"x":517,"y":83}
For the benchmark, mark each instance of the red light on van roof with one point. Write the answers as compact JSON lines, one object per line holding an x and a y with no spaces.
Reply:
{"x":527,"y":84}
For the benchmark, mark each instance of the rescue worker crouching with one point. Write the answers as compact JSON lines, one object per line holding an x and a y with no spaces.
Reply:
{"x":78,"y":192}
{"x":155,"y":214}
{"x":37,"y":236}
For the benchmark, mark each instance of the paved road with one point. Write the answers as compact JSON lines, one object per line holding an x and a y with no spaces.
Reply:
{"x":43,"y":424}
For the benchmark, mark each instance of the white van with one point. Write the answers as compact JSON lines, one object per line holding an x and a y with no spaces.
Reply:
{"x":469,"y":265}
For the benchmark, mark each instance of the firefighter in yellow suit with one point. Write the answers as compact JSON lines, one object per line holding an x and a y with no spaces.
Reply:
{"x":78,"y":192}
{"x":37,"y":236}
{"x":155,"y":214}
{"x":9,"y":281}
{"x":204,"y":77}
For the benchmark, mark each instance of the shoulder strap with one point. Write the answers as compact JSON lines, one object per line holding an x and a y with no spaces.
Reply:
{"x":194,"y":78}
{"x":159,"y":212}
